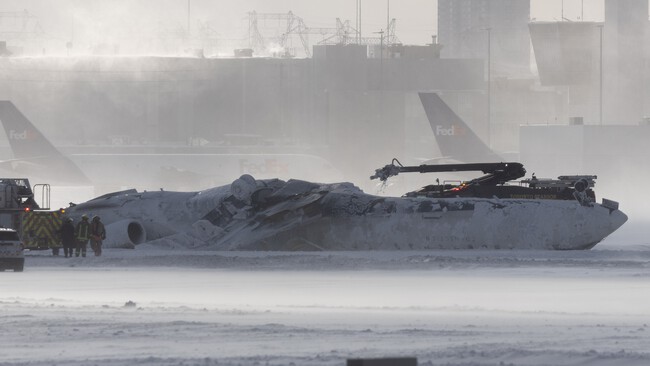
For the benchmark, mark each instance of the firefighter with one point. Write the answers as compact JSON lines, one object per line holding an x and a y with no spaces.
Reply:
{"x":82,"y":234}
{"x":67,"y":237}
{"x":97,"y":234}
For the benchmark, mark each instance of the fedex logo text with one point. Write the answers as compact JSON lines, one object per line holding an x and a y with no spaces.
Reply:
{"x":269,"y":166}
{"x":454,"y":130}
{"x":22,"y":135}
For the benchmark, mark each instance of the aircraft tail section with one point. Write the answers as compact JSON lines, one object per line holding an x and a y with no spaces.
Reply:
{"x":455,"y":139}
{"x":33,"y":153}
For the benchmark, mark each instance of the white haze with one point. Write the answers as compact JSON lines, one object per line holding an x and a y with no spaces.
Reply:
{"x":70,"y":99}
{"x":135,"y":24}
{"x":157,"y":307}
{"x":458,"y":308}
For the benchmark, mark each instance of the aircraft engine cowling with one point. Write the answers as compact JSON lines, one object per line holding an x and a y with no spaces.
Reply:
{"x":124,"y":234}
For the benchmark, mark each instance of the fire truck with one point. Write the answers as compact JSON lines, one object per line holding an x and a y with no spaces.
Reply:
{"x":30,"y":214}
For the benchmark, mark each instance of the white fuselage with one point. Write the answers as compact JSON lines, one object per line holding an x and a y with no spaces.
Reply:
{"x":299,"y":215}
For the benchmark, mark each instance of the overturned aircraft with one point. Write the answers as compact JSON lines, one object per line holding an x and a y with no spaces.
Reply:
{"x":273,"y":214}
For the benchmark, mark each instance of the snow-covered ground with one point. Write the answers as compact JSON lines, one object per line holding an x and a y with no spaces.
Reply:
{"x":150,"y":306}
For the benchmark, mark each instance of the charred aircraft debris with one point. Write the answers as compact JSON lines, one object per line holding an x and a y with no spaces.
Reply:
{"x":273,"y":214}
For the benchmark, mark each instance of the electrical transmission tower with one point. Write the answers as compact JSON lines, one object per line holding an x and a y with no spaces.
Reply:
{"x":292,"y":26}
{"x":391,"y":38}
{"x":288,"y":25}
{"x":19,"y":25}
{"x":341,"y":35}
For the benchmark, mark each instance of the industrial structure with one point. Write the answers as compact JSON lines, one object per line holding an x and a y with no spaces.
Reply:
{"x":599,"y":67}
{"x":307,"y":89}
{"x":625,"y":61}
{"x":466,"y":27}
{"x":334,"y":98}
{"x":19,"y":27}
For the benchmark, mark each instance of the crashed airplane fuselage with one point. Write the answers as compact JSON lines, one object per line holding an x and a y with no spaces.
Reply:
{"x":298,"y":215}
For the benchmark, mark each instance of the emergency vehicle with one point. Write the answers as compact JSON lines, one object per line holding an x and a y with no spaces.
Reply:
{"x":11,"y":251}
{"x":37,"y":225}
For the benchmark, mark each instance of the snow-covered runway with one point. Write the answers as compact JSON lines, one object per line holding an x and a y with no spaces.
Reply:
{"x":211,"y":308}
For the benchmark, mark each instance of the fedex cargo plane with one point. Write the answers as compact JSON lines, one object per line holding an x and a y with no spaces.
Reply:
{"x":33,"y":154}
{"x":35,"y":157}
{"x":455,"y":139}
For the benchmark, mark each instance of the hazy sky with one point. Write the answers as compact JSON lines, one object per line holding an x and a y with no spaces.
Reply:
{"x":416,"y":19}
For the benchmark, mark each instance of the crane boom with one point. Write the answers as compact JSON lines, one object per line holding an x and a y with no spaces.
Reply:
{"x":496,"y":173}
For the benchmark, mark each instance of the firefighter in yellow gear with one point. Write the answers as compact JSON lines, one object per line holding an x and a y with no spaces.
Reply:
{"x":82,"y":234}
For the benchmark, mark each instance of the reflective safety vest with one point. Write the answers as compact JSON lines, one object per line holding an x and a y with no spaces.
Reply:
{"x":83,"y":230}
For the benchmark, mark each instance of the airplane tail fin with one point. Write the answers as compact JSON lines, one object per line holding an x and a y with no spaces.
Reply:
{"x":454,"y":137}
{"x":33,"y":153}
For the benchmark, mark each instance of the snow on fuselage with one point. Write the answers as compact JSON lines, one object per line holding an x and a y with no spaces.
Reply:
{"x":457,"y":224}
{"x":299,"y":215}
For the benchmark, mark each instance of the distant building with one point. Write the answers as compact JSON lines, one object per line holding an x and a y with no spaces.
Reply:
{"x":338,"y":104}
{"x":462,"y":30}
{"x":625,"y":35}
{"x":567,"y":56}
{"x":567,"y":53}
